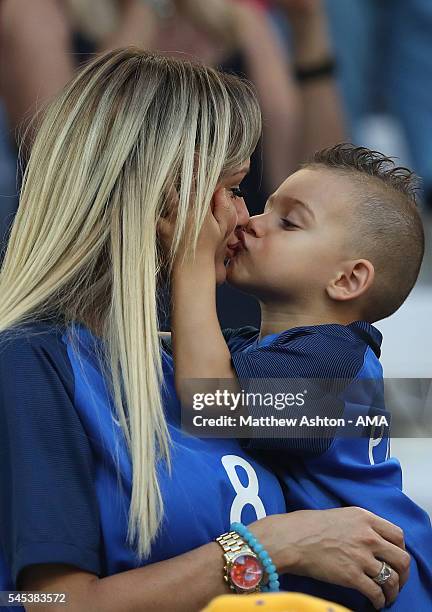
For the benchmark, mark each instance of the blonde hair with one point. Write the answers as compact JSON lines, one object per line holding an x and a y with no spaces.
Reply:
{"x":83,"y":246}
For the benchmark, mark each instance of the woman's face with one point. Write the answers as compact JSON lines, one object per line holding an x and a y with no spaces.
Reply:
{"x":231,"y":182}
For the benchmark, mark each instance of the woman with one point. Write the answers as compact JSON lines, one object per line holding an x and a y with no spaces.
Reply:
{"x":105,"y":498}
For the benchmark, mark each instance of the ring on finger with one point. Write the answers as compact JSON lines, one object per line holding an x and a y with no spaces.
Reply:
{"x":384,"y":574}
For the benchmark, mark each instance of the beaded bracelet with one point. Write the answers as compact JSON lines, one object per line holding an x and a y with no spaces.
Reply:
{"x":270,"y":569}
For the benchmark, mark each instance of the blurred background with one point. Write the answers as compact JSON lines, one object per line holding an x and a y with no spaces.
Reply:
{"x":326,"y":71}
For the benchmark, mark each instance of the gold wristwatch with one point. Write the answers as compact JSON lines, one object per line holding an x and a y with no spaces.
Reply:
{"x":243,"y":570}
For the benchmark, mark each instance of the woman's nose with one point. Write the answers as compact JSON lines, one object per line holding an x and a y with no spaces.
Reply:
{"x":242,"y":212}
{"x":257,"y":225}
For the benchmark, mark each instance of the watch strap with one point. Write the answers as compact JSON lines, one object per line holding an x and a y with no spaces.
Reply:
{"x":231,"y":542}
{"x":233,"y":545}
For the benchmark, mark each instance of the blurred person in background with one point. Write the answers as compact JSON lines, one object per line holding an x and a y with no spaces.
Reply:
{"x":385,"y":54}
{"x":43,"y":42}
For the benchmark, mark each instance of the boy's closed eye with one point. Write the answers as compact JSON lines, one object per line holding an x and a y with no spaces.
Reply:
{"x":288,"y":225}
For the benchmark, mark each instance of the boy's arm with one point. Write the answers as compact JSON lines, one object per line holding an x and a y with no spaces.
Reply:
{"x":199,"y":347}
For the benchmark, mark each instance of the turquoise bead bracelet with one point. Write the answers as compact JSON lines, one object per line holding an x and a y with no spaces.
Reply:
{"x":270,"y":569}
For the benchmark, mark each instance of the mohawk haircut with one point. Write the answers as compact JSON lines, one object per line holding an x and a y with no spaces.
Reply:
{"x":385,"y":227}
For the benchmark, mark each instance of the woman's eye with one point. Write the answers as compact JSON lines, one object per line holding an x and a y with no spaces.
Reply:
{"x":287,"y":224}
{"x":237,"y":192}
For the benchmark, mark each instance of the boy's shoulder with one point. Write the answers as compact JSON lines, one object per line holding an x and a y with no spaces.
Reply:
{"x":358,"y":334}
{"x":325,"y":335}
{"x":329,"y":350}
{"x":240,"y":337}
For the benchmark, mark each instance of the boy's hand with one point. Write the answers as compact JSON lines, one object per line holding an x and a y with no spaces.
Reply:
{"x":166,"y":225}
{"x":219,"y":223}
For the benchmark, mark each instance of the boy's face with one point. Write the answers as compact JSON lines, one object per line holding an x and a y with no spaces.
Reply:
{"x":296,"y":247}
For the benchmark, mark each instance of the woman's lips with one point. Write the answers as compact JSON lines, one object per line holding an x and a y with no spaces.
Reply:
{"x":242,"y":239}
{"x":232,"y":249}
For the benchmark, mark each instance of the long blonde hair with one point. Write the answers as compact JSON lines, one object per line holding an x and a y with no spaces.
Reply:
{"x":83,"y":246}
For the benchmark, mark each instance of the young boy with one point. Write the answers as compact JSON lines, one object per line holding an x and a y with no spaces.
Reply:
{"x":338,"y":246}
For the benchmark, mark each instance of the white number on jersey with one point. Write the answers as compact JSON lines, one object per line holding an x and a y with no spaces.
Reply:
{"x":245,"y":495}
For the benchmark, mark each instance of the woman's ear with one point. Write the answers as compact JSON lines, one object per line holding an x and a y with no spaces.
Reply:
{"x":352,"y":281}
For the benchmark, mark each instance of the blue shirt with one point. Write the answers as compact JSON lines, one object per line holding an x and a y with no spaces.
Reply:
{"x":334,"y":471}
{"x":59,"y":439}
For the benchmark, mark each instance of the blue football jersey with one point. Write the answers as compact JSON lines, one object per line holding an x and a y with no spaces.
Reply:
{"x":59,"y":442}
{"x":337,"y":470}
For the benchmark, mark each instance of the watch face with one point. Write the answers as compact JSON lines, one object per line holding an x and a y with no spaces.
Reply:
{"x":246,"y":572}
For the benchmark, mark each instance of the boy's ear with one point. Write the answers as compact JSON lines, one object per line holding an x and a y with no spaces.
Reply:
{"x":352,"y":281}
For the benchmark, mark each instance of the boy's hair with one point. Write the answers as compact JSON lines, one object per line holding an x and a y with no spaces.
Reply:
{"x":387,"y":227}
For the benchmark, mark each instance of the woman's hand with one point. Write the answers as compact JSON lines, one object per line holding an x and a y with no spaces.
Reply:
{"x":344,"y":546}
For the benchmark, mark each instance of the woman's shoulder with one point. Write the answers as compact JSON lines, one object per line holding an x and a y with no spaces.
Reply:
{"x":31,"y":333}
{"x":47,"y":472}
{"x":34,"y":354}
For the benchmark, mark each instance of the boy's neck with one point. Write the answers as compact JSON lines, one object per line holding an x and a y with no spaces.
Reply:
{"x":276,"y":318}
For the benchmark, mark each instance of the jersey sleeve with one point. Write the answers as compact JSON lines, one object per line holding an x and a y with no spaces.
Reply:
{"x":48,"y":505}
{"x":236,"y":338}
{"x":315,"y":365}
